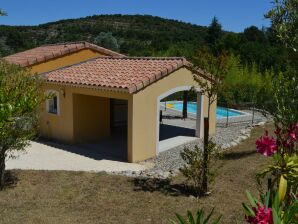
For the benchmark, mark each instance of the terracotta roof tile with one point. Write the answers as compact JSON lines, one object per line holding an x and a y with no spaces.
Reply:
{"x":47,"y":52}
{"x":130,"y":73}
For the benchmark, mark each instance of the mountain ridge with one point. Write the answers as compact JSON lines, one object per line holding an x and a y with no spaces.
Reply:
{"x":143,"y":35}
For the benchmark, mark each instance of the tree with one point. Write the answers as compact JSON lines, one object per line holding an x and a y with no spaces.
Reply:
{"x":253,"y":34}
{"x":245,"y":84}
{"x":20,"y":98}
{"x":107,"y":40}
{"x":214,"y":33}
{"x":215,"y":68}
{"x":284,"y":18}
{"x":215,"y":37}
{"x":281,"y":198}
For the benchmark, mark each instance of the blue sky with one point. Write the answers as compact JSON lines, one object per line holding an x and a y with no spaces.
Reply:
{"x":234,"y":15}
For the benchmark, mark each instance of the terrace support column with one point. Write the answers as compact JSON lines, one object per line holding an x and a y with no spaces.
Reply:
{"x":184,"y":111}
{"x":200,"y":116}
{"x":142,"y":127}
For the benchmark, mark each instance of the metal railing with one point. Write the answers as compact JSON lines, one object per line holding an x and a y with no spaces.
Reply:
{"x":239,"y":113}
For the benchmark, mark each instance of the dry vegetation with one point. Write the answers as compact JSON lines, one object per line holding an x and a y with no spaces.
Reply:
{"x":81,"y":197}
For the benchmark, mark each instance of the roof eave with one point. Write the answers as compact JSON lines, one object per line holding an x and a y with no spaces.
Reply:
{"x":45,"y":58}
{"x":94,"y":87}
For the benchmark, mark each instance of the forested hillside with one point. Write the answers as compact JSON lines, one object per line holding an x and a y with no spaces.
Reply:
{"x":148,"y":36}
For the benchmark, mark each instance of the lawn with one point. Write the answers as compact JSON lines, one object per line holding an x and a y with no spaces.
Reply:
{"x":81,"y":197}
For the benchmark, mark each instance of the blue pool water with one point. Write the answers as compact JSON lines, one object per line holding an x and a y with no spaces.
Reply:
{"x":221,"y":112}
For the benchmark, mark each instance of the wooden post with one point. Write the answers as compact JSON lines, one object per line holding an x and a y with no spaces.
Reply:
{"x":206,"y":131}
{"x":184,"y":112}
{"x":205,"y":155}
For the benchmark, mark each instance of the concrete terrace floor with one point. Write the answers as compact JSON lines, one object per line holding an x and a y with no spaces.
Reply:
{"x":54,"y":156}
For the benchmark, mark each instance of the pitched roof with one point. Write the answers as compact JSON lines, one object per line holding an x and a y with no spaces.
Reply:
{"x":47,"y":52}
{"x":128,"y":73}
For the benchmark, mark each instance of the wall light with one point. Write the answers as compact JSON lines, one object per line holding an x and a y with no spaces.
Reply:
{"x":63,"y":92}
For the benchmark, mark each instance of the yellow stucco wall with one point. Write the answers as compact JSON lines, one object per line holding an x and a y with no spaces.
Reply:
{"x":91,"y":118}
{"x":61,"y":127}
{"x":143,"y":114}
{"x":65,"y":60}
{"x":58,"y":127}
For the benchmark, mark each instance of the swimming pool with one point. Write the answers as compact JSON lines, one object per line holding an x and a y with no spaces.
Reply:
{"x":221,"y":112}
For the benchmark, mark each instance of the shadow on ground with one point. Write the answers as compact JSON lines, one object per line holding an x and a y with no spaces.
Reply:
{"x":107,"y":149}
{"x":237,"y":155}
{"x":170,"y":131}
{"x":172,"y":117}
{"x":110,"y":148}
{"x":163,"y":186}
{"x":10,"y":179}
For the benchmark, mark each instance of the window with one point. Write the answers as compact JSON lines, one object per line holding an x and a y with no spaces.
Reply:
{"x":53,"y":102}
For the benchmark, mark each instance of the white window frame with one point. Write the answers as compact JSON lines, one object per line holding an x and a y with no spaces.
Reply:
{"x":56,"y":93}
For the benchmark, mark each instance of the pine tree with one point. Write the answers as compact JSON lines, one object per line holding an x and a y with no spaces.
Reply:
{"x":214,"y":32}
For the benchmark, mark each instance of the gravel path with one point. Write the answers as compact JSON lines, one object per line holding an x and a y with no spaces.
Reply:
{"x":169,"y":162}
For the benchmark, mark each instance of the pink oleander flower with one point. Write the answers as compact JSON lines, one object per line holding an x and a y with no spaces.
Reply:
{"x":266,"y":145}
{"x":263,"y":216}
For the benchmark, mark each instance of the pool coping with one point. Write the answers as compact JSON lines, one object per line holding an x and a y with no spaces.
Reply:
{"x":244,"y":114}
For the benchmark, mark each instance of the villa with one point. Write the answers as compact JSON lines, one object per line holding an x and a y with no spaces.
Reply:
{"x":99,"y":93}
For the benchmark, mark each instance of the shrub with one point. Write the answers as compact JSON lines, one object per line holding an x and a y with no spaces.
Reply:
{"x":194,"y":165}
{"x":199,"y":219}
{"x":20,"y":98}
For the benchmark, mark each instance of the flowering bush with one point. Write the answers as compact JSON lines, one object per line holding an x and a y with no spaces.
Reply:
{"x":271,"y":210}
{"x":285,"y":142}
{"x":266,"y":145}
{"x":281,"y":199}
{"x":284,"y":152}
{"x":263,"y":215}
{"x":280,"y":204}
